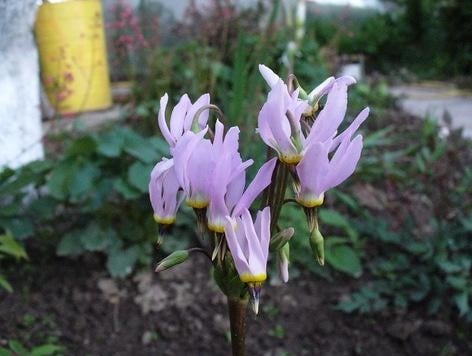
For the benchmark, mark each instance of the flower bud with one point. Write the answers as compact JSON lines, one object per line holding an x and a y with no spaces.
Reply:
{"x":281,"y":238}
{"x":173,"y":259}
{"x":283,"y":256}
{"x":317,"y":245}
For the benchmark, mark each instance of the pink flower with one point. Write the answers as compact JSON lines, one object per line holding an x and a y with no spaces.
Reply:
{"x":279,"y":121}
{"x":164,"y":192}
{"x":317,"y":173}
{"x":213,"y":174}
{"x":182,"y":117}
{"x":228,"y":196}
{"x":249,"y":244}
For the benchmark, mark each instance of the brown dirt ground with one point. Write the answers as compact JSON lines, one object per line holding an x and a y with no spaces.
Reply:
{"x":180,"y":312}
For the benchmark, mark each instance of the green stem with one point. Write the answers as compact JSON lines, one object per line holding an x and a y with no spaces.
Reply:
{"x":237,"y":318}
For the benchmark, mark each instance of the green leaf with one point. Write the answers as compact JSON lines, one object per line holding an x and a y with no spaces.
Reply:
{"x":21,"y":227}
{"x":333,"y":218}
{"x":462,"y":303}
{"x":70,"y":244}
{"x":5,"y":285}
{"x":58,"y":182}
{"x":18,"y":348}
{"x":22,"y":178}
{"x":138,"y":147}
{"x":95,"y":238}
{"x":13,"y":208}
{"x":120,"y":263}
{"x":9,"y":246}
{"x":82,"y":179}
{"x":110,"y":144}
{"x":138,"y":176}
{"x":467,"y":223}
{"x":82,"y":146}
{"x":46,"y":350}
{"x":127,"y":191}
{"x":343,"y":258}
{"x":457,"y":282}
{"x":40,"y":166}
{"x":5,"y":352}
{"x":346,"y":199}
{"x":43,"y":208}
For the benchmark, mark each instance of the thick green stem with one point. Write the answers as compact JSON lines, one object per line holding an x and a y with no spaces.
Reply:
{"x":237,"y":318}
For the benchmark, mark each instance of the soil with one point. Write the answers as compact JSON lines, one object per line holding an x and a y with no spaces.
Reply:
{"x":181,"y":312}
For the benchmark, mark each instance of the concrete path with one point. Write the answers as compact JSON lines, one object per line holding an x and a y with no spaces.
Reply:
{"x":433,"y":99}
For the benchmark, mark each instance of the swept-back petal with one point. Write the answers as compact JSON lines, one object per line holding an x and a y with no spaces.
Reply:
{"x":182,"y":153}
{"x":269,"y":76}
{"x":202,"y":101}
{"x":239,"y":258}
{"x":342,"y":165}
{"x":321,"y":89}
{"x":177,"y":117}
{"x":353,"y":127}
{"x":161,"y":120}
{"x":264,"y":230}
{"x":331,"y":116}
{"x":259,"y":183}
{"x":312,"y":169}
{"x":255,"y":256}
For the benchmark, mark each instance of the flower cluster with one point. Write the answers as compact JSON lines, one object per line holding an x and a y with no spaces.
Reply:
{"x":206,"y":171}
{"x":210,"y":175}
{"x":280,"y":127}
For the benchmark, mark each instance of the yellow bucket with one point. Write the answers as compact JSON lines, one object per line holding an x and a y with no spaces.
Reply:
{"x":72,"y":53}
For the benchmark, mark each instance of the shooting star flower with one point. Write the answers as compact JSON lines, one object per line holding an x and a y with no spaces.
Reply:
{"x":164,"y":192}
{"x":317,"y":173}
{"x":248,"y":242}
{"x":182,"y":118}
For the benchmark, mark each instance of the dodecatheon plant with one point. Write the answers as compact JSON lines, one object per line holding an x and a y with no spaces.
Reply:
{"x":314,"y":96}
{"x":317,"y":173}
{"x":228,"y":197}
{"x":209,"y":173}
{"x":194,"y":165}
{"x":164,"y":192}
{"x":332,"y":115}
{"x":183,"y":117}
{"x":279,"y":123}
{"x":248,"y":242}
{"x":280,"y":119}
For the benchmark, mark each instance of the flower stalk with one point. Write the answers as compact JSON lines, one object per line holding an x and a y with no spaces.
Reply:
{"x":237,"y":309}
{"x":276,"y":199}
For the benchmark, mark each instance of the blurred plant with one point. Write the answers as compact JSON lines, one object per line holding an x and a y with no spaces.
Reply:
{"x":16,"y":348}
{"x":217,"y":23}
{"x":417,"y":34}
{"x":126,"y":33}
{"x":10,"y":248}
{"x":425,"y":258}
{"x":83,"y":193}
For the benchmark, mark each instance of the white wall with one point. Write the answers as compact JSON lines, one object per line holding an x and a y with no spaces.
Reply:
{"x":20,"y":119}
